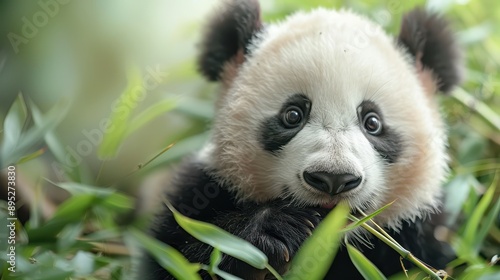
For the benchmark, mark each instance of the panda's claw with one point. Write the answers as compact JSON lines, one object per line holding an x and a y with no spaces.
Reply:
{"x":286,"y":253}
{"x":309,"y":223}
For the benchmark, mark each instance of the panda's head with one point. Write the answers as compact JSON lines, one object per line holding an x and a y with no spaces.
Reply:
{"x":325,"y":107}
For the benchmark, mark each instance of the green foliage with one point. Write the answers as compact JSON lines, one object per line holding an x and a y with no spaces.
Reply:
{"x":222,"y":240}
{"x":18,"y":142}
{"x":364,"y":265}
{"x":168,"y":257}
{"x":61,"y":247}
{"x":120,"y":124}
{"x":317,"y":253}
{"x":90,"y":233}
{"x":478,"y":226}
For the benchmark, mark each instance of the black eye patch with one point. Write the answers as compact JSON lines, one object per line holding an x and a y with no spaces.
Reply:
{"x":386,"y":141}
{"x":278,"y":130}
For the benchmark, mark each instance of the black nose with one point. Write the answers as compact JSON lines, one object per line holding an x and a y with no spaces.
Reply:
{"x":332,"y":183}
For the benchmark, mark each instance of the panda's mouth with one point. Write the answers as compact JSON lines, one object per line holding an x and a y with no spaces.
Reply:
{"x":329,"y":205}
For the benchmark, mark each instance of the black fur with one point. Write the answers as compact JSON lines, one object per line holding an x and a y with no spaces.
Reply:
{"x":274,"y":134}
{"x":277,"y":228}
{"x":428,"y":35}
{"x":228,"y":32}
{"x":388,"y":144}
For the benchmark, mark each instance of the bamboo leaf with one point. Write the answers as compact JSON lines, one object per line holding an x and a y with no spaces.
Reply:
{"x":28,"y":139}
{"x":215,"y":259}
{"x":455,"y":196}
{"x":13,"y":124}
{"x":315,"y":256}
{"x":469,"y":236}
{"x":489,"y":219}
{"x":222,"y":240}
{"x":478,"y":106}
{"x":151,"y":113}
{"x":368,"y":217}
{"x":68,"y":236}
{"x":122,"y":109}
{"x":72,"y":210}
{"x":367,"y":269}
{"x":55,"y":145}
{"x":225,"y":275}
{"x":77,"y":189}
{"x":169,"y":258}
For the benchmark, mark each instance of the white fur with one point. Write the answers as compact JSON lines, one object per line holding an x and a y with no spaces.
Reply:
{"x":337,"y":59}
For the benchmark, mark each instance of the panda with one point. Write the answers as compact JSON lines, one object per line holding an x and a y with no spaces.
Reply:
{"x":320,"y":108}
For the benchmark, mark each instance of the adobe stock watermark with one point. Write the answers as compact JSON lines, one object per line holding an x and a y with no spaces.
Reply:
{"x":92,"y":138}
{"x":32,"y":25}
{"x":11,"y":217}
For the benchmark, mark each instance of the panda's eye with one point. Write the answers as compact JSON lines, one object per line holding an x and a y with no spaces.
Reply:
{"x":372,"y":123}
{"x":292,"y":117}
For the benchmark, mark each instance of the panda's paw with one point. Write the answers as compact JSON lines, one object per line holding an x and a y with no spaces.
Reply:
{"x":280,"y":231}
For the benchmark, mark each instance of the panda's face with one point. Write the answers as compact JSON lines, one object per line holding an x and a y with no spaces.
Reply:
{"x":326,"y":109}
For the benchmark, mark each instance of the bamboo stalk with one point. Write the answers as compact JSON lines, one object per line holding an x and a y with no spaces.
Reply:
{"x":398,"y":248}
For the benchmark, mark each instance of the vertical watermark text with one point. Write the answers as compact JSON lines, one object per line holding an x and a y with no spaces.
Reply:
{"x":11,"y":218}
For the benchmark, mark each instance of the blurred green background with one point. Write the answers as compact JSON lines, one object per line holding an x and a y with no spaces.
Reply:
{"x":69,"y":68}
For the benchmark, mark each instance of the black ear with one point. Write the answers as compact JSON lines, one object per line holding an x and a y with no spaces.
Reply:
{"x":227,"y":35}
{"x":429,"y":39}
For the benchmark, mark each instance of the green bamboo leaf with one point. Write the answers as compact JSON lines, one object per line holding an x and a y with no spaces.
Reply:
{"x":48,"y":121}
{"x":225,"y":275}
{"x":368,"y":217}
{"x":367,"y":269}
{"x":151,"y":113}
{"x":35,"y":209}
{"x":103,"y":235}
{"x":222,"y":240}
{"x":315,"y":256}
{"x":55,"y":145}
{"x":167,"y":257}
{"x":68,"y":236}
{"x":14,"y":123}
{"x":109,"y":198}
{"x":483,"y":110}
{"x":215,"y":259}
{"x":83,"y":263}
{"x":457,"y":191}
{"x":469,"y":236}
{"x":29,"y":138}
{"x":72,"y":210}
{"x":77,"y":189}
{"x":117,"y":202}
{"x":122,"y":110}
{"x":489,"y":219}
